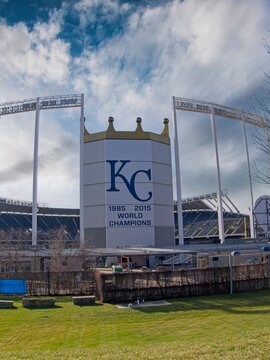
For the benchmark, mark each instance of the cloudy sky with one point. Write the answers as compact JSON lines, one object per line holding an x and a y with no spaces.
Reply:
{"x":129,"y":58}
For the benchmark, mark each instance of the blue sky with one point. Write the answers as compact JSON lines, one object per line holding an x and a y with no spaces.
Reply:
{"x":129,"y":58}
{"x":85,"y":25}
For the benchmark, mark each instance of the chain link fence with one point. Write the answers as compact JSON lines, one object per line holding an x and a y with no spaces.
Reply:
{"x":57,"y":283}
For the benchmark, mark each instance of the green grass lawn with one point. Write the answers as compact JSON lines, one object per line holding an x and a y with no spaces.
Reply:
{"x":209,"y":327}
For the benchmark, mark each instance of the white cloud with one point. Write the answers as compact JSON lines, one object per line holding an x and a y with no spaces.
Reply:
{"x":58,"y":160}
{"x":211,"y":50}
{"x":33,"y":57}
{"x":35,"y":62}
{"x":193,"y":49}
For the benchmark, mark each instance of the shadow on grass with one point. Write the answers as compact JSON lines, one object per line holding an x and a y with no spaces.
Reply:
{"x":63,"y":298}
{"x":12,"y":308}
{"x":44,"y":308}
{"x":240,"y":303}
{"x":89,"y":305}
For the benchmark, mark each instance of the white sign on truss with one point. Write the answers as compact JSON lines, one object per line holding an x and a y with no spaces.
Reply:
{"x":47,"y":102}
{"x":220,"y":110}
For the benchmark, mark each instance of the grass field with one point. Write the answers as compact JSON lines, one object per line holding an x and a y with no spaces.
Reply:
{"x":209,"y":327}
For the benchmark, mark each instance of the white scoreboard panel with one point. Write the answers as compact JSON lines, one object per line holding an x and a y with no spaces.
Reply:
{"x":128,"y":192}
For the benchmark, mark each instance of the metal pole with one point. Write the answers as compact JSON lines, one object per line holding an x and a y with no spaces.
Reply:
{"x":230,"y":267}
{"x":35,"y":176}
{"x":252,"y":230}
{"x":178,"y":178}
{"x":82,"y":174}
{"x":219,"y":193}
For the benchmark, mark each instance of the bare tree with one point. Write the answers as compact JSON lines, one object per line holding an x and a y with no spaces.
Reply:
{"x":260,"y":135}
{"x":261,"y":166}
{"x":12,"y":256}
{"x":57,"y":248}
{"x":65,"y":257}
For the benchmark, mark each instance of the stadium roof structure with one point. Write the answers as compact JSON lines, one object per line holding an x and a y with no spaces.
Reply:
{"x":25,"y":207}
{"x":226,"y":248}
{"x":208,"y":202}
{"x":182,"y":249}
{"x":195,"y":205}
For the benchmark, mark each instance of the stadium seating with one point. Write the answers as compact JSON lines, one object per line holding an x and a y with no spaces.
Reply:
{"x":200,"y":222}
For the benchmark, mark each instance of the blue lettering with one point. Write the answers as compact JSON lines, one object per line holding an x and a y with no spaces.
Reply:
{"x":129,"y":184}
{"x":130,"y":215}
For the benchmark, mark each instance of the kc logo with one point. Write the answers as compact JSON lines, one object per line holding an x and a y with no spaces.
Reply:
{"x":129,"y":184}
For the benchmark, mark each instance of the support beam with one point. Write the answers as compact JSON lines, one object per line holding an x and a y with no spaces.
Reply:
{"x":82,"y":243}
{"x":178,"y":179}
{"x":219,"y":193}
{"x":252,"y":230}
{"x":35,"y":177}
